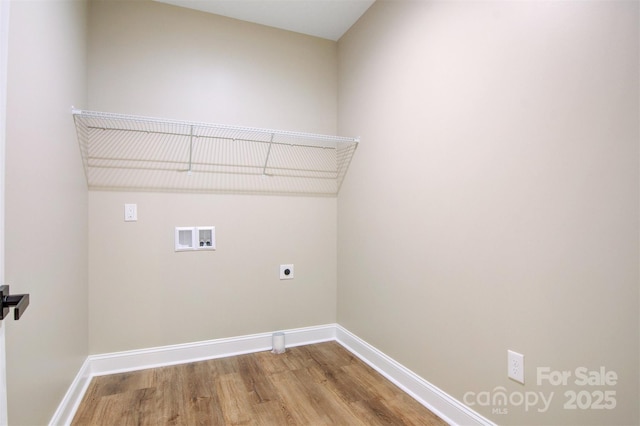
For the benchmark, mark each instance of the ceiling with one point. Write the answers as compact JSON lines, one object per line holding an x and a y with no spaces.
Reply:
{"x":328,"y":19}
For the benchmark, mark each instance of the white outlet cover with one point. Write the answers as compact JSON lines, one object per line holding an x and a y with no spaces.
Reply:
{"x":286,"y":272}
{"x":515,"y":366}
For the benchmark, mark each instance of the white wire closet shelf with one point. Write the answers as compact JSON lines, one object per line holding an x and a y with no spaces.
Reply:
{"x":126,"y":152}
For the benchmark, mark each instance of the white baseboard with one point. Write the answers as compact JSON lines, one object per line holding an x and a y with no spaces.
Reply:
{"x":119,"y":362}
{"x":72,"y":399}
{"x":448,"y":408}
{"x":445,"y":406}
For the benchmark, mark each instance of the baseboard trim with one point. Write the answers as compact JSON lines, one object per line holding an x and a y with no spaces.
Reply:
{"x":445,"y":406}
{"x":71,"y":401}
{"x":120,"y":362}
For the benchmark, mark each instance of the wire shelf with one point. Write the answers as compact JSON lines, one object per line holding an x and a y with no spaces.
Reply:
{"x":126,"y":152}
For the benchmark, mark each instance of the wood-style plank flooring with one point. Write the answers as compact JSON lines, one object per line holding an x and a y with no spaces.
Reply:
{"x":321,"y":384}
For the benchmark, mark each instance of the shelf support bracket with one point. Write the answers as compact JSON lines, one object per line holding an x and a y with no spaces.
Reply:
{"x":266,"y":160}
{"x":189,"y":171}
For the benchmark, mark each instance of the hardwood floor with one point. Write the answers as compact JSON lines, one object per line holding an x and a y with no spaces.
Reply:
{"x":321,"y":384}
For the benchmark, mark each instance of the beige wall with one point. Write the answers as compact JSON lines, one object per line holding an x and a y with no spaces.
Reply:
{"x":493,"y":202}
{"x":46,"y":206}
{"x":153,"y":59}
{"x":165,"y":61}
{"x":144,"y":294}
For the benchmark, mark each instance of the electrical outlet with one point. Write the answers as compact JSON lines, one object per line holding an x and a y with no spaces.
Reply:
{"x":286,"y":272}
{"x":515,"y":366}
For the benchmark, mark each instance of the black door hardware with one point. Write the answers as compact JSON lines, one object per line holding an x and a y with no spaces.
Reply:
{"x":19,"y":302}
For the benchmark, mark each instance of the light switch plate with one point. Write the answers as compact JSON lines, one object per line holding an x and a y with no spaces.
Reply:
{"x":130,"y":212}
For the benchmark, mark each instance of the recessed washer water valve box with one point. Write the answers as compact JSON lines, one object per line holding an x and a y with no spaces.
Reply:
{"x":188,"y":238}
{"x":185,"y":238}
{"x":206,"y":238}
{"x":286,"y":272}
